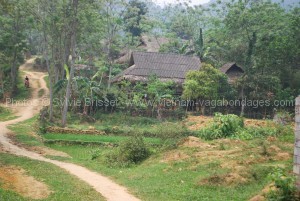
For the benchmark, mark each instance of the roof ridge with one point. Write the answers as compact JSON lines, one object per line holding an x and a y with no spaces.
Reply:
{"x":167,"y":53}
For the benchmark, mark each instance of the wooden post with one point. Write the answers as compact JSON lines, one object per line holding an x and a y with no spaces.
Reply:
{"x":297,"y":143}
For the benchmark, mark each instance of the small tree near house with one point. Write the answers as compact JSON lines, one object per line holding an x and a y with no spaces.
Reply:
{"x":158,"y":90}
{"x":203,"y":85}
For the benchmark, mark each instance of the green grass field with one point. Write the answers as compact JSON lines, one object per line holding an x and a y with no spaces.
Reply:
{"x":6,"y":114}
{"x":93,"y":138}
{"x":24,"y":132}
{"x":122,"y":124}
{"x":178,"y":180}
{"x":195,"y":177}
{"x":63,"y":186}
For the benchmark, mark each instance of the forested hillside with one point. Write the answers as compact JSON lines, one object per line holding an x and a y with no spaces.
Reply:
{"x":260,"y":36}
{"x":129,"y":100}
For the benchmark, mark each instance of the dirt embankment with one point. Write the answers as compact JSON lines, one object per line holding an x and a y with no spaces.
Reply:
{"x":16,"y":179}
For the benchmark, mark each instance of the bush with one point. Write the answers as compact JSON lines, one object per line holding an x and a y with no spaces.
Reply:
{"x":283,"y":118}
{"x":232,"y":126}
{"x":223,"y":126}
{"x":259,"y":132}
{"x":285,"y":187}
{"x":132,"y":151}
{"x":95,"y":153}
{"x":171,"y":133}
{"x":254,"y":132}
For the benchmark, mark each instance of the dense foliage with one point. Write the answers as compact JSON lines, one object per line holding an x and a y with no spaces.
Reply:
{"x":260,"y":36}
{"x":131,"y":151}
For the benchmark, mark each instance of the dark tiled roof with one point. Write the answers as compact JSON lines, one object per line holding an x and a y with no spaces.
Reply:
{"x":165,"y":66}
{"x":227,"y":66}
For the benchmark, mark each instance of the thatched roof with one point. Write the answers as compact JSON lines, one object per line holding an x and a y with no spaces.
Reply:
{"x":148,"y":44}
{"x":233,"y":71}
{"x":226,"y":67}
{"x":165,"y":66}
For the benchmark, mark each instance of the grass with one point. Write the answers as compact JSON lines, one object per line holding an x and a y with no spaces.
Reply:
{"x":122,"y":124}
{"x":181,"y":179}
{"x":155,"y":180}
{"x":25,"y":132}
{"x":10,"y":195}
{"x":93,"y":138}
{"x":41,"y":92}
{"x":63,"y":186}
{"x":46,"y":78}
{"x":116,"y":122}
{"x":6,"y":114}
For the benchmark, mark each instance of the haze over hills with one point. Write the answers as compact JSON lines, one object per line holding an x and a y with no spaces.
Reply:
{"x":283,"y":3}
{"x":162,"y":3}
{"x":157,"y":8}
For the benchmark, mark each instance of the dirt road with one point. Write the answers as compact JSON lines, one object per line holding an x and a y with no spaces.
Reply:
{"x":107,"y":188}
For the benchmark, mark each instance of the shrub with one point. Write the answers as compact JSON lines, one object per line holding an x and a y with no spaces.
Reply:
{"x":254,"y":132}
{"x":171,"y":133}
{"x":282,"y":118}
{"x":259,"y":132}
{"x":131,"y":151}
{"x":95,"y":153}
{"x":285,"y":187}
{"x":232,"y":126}
{"x":223,"y":126}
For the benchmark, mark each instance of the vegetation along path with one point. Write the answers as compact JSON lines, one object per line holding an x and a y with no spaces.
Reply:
{"x":108,"y":189}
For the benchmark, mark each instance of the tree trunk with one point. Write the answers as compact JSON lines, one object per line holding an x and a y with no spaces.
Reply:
{"x":243,"y":104}
{"x":158,"y":113}
{"x":109,"y":75}
{"x":73,"y":45}
{"x":50,"y":77}
{"x":1,"y":81}
{"x":14,"y":73}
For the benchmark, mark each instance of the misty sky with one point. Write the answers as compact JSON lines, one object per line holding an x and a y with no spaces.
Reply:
{"x":193,"y":2}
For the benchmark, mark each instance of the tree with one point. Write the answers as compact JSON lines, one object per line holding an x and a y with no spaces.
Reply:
{"x":73,"y":29}
{"x":203,"y":85}
{"x":112,"y":24}
{"x":53,"y":28}
{"x":157,"y":90}
{"x":12,"y":37}
{"x":135,"y":13}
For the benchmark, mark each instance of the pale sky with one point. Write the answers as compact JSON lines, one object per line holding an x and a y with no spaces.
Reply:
{"x":193,"y":2}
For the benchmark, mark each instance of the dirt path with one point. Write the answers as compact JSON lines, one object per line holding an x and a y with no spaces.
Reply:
{"x":107,"y":188}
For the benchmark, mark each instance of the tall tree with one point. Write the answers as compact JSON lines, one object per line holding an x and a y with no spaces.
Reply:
{"x":73,"y":29}
{"x":12,"y":36}
{"x":135,"y":13}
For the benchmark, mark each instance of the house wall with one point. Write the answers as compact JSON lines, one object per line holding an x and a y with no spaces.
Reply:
{"x":234,"y":73}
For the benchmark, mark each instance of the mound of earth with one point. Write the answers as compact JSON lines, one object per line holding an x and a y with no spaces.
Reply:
{"x":175,"y":155}
{"x":192,"y":141}
{"x":226,"y":179}
{"x":258,"y":198}
{"x":15,"y":179}
{"x":197,"y":122}
{"x":261,"y":196}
